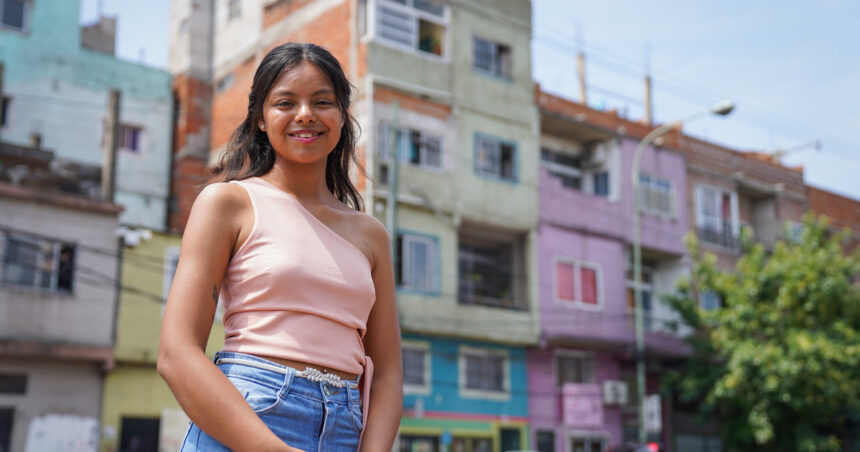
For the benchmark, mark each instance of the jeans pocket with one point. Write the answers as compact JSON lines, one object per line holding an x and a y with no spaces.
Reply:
{"x":260,"y":398}
{"x":355,"y":413}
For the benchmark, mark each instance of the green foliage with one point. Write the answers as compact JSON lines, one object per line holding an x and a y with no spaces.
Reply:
{"x":779,"y":363}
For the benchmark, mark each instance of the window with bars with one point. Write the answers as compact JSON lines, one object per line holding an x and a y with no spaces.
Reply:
{"x":495,"y":158}
{"x":577,"y":282}
{"x":416,"y":265}
{"x":34,"y":262}
{"x":492,"y":58}
{"x":709,"y":300}
{"x":656,"y":195}
{"x":717,"y":216}
{"x":417,"y":25}
{"x":483,"y":372}
{"x":545,"y":441}
{"x":416,"y":367}
{"x":491,"y":271}
{"x":573,"y":369}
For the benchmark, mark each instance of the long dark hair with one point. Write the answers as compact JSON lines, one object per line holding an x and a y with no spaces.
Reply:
{"x":249,"y":152}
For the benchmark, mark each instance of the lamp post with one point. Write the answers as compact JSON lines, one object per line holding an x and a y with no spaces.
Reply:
{"x":721,"y":108}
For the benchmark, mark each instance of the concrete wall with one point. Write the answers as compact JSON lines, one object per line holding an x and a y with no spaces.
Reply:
{"x":60,"y":89}
{"x":84,"y":317}
{"x":60,"y":407}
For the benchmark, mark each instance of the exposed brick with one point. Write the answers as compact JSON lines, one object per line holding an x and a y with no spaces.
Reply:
{"x":411,"y":102}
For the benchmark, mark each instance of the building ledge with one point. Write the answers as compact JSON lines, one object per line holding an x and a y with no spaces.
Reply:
{"x":54,"y":351}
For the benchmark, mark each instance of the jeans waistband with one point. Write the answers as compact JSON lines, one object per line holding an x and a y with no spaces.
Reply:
{"x":309,"y":373}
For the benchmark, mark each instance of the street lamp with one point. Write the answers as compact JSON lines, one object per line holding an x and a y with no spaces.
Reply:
{"x":721,"y":108}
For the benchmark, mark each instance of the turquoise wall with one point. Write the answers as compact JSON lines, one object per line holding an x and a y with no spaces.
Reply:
{"x":444,"y":395}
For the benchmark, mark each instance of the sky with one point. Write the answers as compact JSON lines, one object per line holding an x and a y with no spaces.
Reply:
{"x":792,"y":68}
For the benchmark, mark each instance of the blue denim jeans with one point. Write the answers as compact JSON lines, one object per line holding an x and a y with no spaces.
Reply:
{"x":308,"y":415}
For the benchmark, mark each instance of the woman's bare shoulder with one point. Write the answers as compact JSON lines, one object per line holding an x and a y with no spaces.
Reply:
{"x":222,"y":196}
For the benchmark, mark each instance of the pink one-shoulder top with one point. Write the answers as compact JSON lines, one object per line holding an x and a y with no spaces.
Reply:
{"x":296,"y":289}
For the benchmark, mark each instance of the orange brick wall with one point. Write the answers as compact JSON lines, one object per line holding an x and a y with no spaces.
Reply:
{"x":188,"y":165}
{"x":412,"y":103}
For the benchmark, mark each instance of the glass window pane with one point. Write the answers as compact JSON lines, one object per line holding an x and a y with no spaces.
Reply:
{"x":413,"y":366}
{"x":588,"y":281}
{"x":13,"y":13}
{"x":564,"y":281}
{"x":429,"y":7}
{"x":484,"y":54}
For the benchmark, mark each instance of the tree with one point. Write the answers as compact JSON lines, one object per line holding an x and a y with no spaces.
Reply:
{"x":779,"y":362}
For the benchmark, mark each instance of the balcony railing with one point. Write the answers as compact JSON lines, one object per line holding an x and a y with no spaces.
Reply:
{"x":725,"y":238}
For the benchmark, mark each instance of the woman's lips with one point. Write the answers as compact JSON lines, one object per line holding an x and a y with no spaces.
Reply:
{"x":306,"y":137}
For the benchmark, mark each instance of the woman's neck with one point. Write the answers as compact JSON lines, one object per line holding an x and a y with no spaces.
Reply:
{"x":305,"y":182}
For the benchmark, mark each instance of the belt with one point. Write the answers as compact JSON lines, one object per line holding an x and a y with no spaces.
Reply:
{"x":309,"y":373}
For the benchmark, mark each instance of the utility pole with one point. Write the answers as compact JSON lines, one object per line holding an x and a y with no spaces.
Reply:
{"x":393,"y":163}
{"x":649,"y":119}
{"x":111,"y":142}
{"x":580,"y":68}
{"x":2,"y":97}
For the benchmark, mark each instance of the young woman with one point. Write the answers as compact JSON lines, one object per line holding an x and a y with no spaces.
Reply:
{"x":304,"y":276}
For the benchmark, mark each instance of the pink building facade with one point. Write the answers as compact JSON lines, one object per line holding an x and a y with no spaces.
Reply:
{"x":581,"y":377}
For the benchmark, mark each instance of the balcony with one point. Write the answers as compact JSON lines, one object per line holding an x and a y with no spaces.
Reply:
{"x":725,"y":238}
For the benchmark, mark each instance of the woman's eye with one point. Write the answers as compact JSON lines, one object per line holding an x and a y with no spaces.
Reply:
{"x":324,"y":102}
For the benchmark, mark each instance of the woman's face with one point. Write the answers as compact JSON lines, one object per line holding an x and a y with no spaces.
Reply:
{"x":301,"y":116}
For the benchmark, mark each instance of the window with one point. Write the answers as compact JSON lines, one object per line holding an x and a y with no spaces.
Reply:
{"x":571,"y":368}
{"x":601,"y":183}
{"x":491,"y":270}
{"x":130,"y":138}
{"x":14,"y":13}
{"x":471,"y":444}
{"x":717,"y":216}
{"x":709,"y":300}
{"x":7,"y":418}
{"x":483,"y":373}
{"x":413,"y":146}
{"x":492,"y":58}
{"x":656,"y":195}
{"x":495,"y":158}
{"x":414,"y":24}
{"x":418,"y":443}
{"x":584,"y":444}
{"x":139,"y":434}
{"x":5,"y":106}
{"x":416,"y":263}
{"x":587,"y":172}
{"x":545,"y":441}
{"x":13,"y":384}
{"x":793,"y":231}
{"x":510,"y":438}
{"x":224,"y":83}
{"x":234,"y":9}
{"x":577,"y":282}
{"x":416,"y":367}
{"x":647,"y":289}
{"x":563,"y":166}
{"x":31,"y":261}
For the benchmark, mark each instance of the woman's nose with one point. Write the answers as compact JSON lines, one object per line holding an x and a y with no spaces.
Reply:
{"x":305,"y":113}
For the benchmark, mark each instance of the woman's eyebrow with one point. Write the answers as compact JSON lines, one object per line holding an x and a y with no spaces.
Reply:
{"x":290,"y":93}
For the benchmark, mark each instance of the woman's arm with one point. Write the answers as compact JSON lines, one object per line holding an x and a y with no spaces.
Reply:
{"x":206,"y":395}
{"x":382,"y":344}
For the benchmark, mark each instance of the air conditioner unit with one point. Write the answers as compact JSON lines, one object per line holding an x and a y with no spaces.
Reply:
{"x":614,"y":392}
